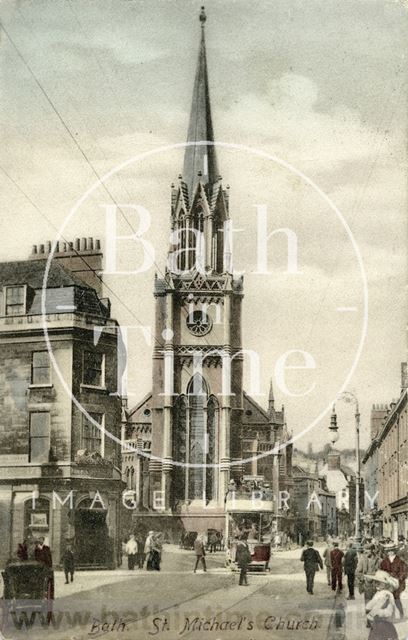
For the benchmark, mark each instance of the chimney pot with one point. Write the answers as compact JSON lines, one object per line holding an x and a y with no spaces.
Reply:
{"x":41,"y":248}
{"x":34,"y":251}
{"x":77,"y":244}
{"x":49,"y":244}
{"x":83,"y":244}
{"x":97,"y":245}
{"x":90,"y":244}
{"x":57,"y":247}
{"x":71,"y":246}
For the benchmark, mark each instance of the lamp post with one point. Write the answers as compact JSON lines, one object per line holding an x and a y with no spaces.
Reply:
{"x":348,"y":396}
{"x":276,"y":462}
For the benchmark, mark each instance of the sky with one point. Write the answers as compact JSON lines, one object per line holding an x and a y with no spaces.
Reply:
{"x":319,"y":87}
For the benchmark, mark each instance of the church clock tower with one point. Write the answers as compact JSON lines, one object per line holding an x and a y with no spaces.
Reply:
{"x":197,"y":397}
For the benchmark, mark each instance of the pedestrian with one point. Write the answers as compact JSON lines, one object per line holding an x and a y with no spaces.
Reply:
{"x":368,"y":563}
{"x":68,"y":562}
{"x":402,"y":549}
{"x":153,"y":550}
{"x":22,"y":550}
{"x":350,"y":566}
{"x":141,"y":541}
{"x":336,"y":561}
{"x":243,"y":558}
{"x":131,"y":552}
{"x":381,"y":608}
{"x":42,"y":553}
{"x":148,"y":549}
{"x":212,"y":542}
{"x":157,"y":551}
{"x":327,"y":562}
{"x":311,"y":562}
{"x":199,"y":550}
{"x":397,"y":568}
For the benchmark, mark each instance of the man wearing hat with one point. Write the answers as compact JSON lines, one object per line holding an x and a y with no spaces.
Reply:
{"x":368,"y":563}
{"x":336,"y":559}
{"x":397,"y":568}
{"x":311,"y":562}
{"x":381,"y":608}
{"x":350,"y":566}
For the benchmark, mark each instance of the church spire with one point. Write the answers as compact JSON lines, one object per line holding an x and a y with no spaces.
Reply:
{"x":200,"y":158}
{"x":271,"y":400}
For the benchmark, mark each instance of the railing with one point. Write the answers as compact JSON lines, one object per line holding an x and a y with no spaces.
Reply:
{"x":253,"y":494}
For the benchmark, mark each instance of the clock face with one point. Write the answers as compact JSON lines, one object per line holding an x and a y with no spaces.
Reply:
{"x":199,"y":323}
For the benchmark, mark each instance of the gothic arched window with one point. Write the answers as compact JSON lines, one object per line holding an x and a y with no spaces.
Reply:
{"x":179,"y":448}
{"x":195,"y":440}
{"x":212,"y":453}
{"x":197,"y":397}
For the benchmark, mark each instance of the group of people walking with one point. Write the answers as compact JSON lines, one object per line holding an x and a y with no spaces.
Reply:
{"x":139,"y":549}
{"x":378,"y":568}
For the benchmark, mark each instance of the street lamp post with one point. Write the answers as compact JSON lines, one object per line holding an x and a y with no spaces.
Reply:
{"x":347,"y":396}
{"x":276,"y":462}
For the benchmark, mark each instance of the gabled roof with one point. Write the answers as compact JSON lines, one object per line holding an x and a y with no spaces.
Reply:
{"x":250,"y":401}
{"x":139,"y":406}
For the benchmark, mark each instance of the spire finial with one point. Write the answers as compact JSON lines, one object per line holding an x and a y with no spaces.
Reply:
{"x":203,"y":17}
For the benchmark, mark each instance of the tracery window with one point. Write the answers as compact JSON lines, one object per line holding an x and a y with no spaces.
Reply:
{"x":195,"y":440}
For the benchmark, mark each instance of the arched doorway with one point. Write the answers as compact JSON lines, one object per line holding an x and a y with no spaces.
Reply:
{"x":93,"y":547}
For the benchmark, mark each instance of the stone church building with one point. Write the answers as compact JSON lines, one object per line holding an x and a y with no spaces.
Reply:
{"x":188,"y":438}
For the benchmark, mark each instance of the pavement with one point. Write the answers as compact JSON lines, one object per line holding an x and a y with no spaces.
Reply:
{"x":176,"y":603}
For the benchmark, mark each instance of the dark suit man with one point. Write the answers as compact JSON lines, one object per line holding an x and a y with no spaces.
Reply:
{"x":336,"y":559}
{"x":350,"y":566}
{"x":311,"y":562}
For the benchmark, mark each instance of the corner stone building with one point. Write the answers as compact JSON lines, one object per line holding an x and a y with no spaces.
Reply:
{"x":192,"y":434}
{"x":47,"y":444}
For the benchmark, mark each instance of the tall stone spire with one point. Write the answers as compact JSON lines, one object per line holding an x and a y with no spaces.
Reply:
{"x":271,"y":400}
{"x":200,"y":158}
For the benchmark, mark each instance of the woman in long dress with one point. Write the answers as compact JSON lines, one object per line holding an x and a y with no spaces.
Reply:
{"x":381,"y":608}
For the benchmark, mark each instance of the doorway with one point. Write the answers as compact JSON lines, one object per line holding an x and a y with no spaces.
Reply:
{"x":93,"y":548}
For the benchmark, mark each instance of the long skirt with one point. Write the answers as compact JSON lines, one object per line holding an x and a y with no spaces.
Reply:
{"x":153,"y":561}
{"x":382,"y":630}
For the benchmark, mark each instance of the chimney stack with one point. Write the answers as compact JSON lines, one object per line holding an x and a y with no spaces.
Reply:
{"x":83,"y":258}
{"x":378,"y":413}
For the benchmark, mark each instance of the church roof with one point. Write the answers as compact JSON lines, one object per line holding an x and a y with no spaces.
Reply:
{"x":141,"y":412}
{"x":260,"y":413}
{"x":200,"y":157}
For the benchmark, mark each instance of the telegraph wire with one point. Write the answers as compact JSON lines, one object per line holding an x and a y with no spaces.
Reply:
{"x":78,"y":254}
{"x":95,"y":172}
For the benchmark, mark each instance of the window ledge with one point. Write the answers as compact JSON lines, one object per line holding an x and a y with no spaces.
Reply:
{"x":93,"y":387}
{"x":46,"y":385}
